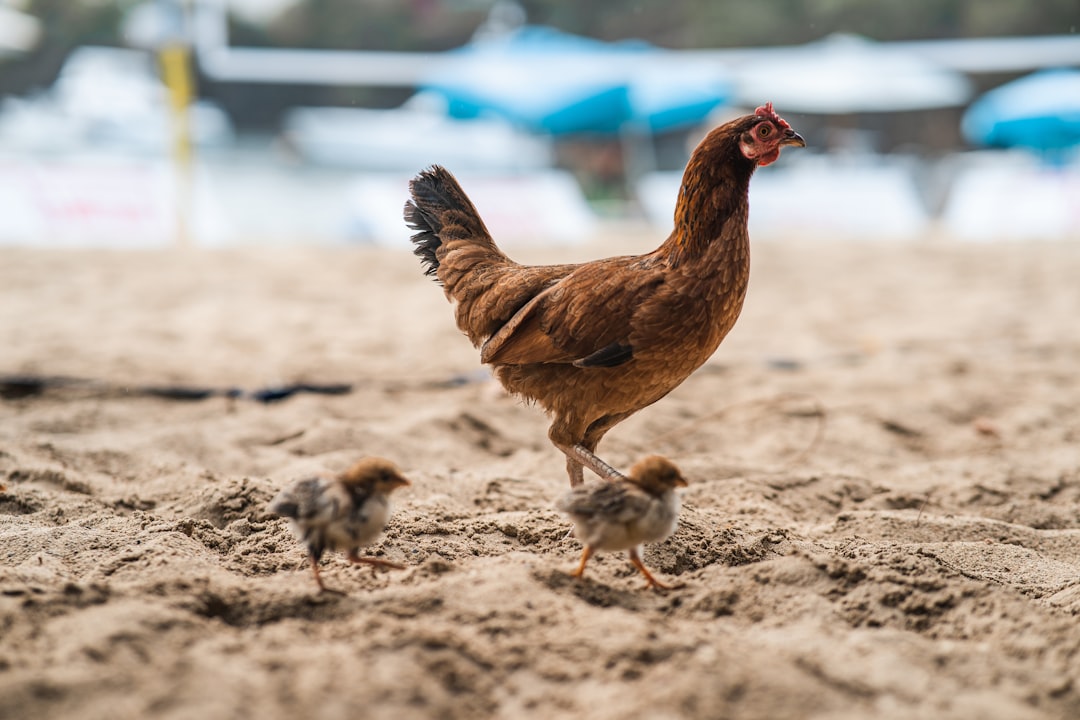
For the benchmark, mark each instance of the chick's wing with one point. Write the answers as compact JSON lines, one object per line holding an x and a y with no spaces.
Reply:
{"x":311,"y":501}
{"x":606,"y":502}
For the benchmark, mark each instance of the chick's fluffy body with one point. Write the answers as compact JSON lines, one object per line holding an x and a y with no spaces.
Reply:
{"x":343,"y":513}
{"x":613,"y":516}
{"x":622,"y":514}
{"x":325,"y":514}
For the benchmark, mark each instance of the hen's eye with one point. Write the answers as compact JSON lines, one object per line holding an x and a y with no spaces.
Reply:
{"x":764,"y":130}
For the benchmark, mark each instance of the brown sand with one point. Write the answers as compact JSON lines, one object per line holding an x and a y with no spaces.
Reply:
{"x":919,"y":558}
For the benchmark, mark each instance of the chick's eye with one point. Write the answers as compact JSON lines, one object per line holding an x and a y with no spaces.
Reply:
{"x":764,"y":130}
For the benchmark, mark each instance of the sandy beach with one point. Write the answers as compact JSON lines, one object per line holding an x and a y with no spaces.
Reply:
{"x":883,"y":517}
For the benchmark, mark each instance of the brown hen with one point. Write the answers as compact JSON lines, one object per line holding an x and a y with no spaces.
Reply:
{"x":595,"y":342}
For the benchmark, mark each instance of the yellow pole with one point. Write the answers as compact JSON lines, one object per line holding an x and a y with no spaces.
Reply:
{"x":179,"y":79}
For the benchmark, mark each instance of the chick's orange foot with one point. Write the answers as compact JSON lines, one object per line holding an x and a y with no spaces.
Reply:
{"x":650,"y":580}
{"x":318,"y":578}
{"x":374,"y":563}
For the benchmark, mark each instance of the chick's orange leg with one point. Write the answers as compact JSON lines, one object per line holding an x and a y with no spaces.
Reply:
{"x":585,"y":555}
{"x":373,"y":562}
{"x":652,"y":581}
{"x":318,"y":577}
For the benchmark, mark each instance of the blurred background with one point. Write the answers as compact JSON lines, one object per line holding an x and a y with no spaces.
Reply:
{"x":214,"y":122}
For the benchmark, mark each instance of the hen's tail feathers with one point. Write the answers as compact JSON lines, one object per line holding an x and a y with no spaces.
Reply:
{"x":440,"y":212}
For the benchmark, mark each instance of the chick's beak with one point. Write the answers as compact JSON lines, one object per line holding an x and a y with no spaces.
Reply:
{"x":681,"y":482}
{"x":792,"y":138}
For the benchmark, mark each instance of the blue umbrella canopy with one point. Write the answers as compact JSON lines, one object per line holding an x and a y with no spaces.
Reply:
{"x":1040,"y":111}
{"x":553,"y":82}
{"x":668,"y":93}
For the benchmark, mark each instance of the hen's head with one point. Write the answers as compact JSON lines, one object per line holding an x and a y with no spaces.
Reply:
{"x":762,"y":134}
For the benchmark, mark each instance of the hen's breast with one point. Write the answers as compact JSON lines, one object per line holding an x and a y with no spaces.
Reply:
{"x":672,"y":335}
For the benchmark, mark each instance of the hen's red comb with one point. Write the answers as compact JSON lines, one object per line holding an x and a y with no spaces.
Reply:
{"x":766,"y":111}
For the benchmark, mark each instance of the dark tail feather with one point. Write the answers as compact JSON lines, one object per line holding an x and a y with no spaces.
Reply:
{"x":426,"y":240}
{"x":439,"y":206}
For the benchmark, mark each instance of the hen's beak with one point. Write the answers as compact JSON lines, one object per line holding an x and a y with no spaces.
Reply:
{"x":792,"y":138}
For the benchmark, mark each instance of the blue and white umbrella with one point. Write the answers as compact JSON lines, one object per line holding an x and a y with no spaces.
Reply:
{"x":556,"y":83}
{"x":1040,"y":111}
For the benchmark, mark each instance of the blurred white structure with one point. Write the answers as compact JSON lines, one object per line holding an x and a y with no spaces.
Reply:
{"x":863,"y":198}
{"x":19,"y":32}
{"x":412,"y":137}
{"x":539,"y":207}
{"x":85,"y":162}
{"x":847,"y":74}
{"x":1012,"y":196}
{"x":104,"y":98}
{"x":98,"y":201}
{"x":93,"y":200}
{"x":225,"y":62}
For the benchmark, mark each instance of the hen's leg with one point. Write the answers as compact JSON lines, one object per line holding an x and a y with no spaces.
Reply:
{"x":575,"y":470}
{"x":578,"y":442}
{"x":593,"y":434}
{"x":579,"y":455}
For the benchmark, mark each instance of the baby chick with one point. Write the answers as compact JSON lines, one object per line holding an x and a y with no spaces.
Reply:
{"x":622,"y":514}
{"x":343,"y":513}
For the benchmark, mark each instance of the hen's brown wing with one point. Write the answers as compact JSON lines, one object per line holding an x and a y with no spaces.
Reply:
{"x":488,"y":297}
{"x":586,"y":318}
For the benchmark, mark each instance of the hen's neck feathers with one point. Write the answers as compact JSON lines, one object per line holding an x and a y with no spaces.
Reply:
{"x":711,"y":211}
